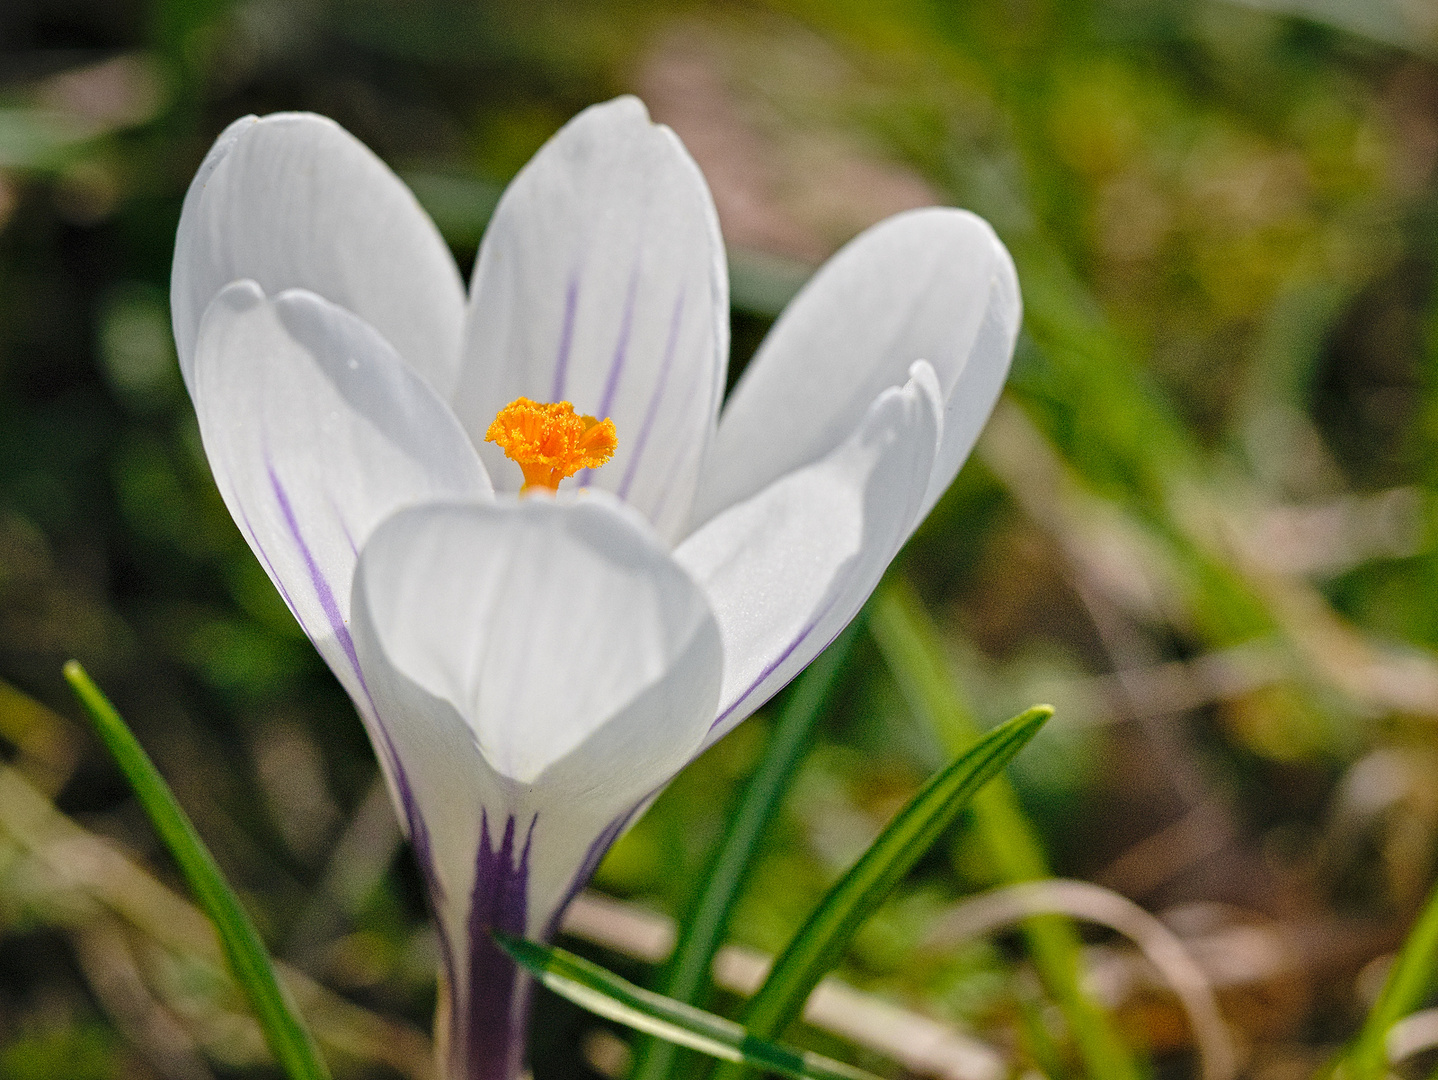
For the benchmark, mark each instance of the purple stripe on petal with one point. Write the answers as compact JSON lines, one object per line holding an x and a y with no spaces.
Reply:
{"x":592,"y":857}
{"x":632,"y":469}
{"x":676,"y":466}
{"x":616,"y":363}
{"x":621,"y":347}
{"x":415,"y":827}
{"x":497,"y":1004}
{"x":344,"y":528}
{"x":270,"y":566}
{"x":417,"y":832}
{"x":324,"y":593}
{"x":773,"y":665}
{"x":419,"y":844}
{"x":566,"y":337}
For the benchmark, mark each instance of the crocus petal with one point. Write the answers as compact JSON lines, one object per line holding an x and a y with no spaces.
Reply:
{"x":539,"y":670}
{"x":787,"y":569}
{"x":933,"y":284}
{"x":294,"y":201}
{"x":602,"y":281}
{"x":539,"y":621}
{"x":316,"y":430}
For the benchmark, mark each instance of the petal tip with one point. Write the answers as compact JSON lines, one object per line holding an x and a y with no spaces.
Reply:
{"x":296,"y":116}
{"x":924,"y":378}
{"x":626,"y":115}
{"x":240,"y":296}
{"x":237,"y":127}
{"x":626,"y":108}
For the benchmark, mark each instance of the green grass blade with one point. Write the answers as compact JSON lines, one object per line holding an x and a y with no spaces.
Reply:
{"x":909,"y":643}
{"x":686,"y":977}
{"x":286,"y":1034}
{"x":827,"y":933}
{"x":606,"y":994}
{"x":1408,"y":984}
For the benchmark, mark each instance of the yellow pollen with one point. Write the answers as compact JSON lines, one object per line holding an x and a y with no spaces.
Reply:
{"x":549,"y":441}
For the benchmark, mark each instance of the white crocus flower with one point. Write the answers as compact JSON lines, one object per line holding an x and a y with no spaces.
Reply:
{"x":532,"y":670}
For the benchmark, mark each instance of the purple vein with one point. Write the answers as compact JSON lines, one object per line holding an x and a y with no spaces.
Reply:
{"x":252,"y":536}
{"x":676,"y":466}
{"x":616,"y":365}
{"x":325,"y":595}
{"x":596,"y":851}
{"x":418,"y":831}
{"x":496,"y":1001}
{"x":773,"y":665}
{"x":323,"y":592}
{"x":566,"y":337}
{"x":419,"y":842}
{"x":344,"y":528}
{"x":621,"y":346}
{"x":670,"y":347}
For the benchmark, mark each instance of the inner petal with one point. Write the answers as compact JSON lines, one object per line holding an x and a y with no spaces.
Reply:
{"x":601,"y":281}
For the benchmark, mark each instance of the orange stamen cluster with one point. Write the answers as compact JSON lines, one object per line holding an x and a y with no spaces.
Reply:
{"x":549,"y":440}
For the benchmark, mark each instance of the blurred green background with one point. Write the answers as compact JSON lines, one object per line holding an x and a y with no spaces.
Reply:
{"x":1201,"y":523}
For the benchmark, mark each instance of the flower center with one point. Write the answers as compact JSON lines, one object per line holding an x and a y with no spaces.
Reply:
{"x":549,"y":441}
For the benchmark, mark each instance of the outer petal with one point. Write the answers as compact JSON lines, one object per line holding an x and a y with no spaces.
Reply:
{"x":786,"y":570}
{"x":933,"y":284}
{"x":295,"y":201}
{"x":539,"y":622}
{"x":316,"y":430}
{"x":540,"y":670}
{"x":602,"y":281}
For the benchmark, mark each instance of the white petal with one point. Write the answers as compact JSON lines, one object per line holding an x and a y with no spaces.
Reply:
{"x":295,"y":201}
{"x":786,"y":570}
{"x":541,"y":622}
{"x":539,"y":671}
{"x":316,"y":430}
{"x":933,"y":284}
{"x":602,"y":281}
{"x":454,"y":811}
{"x":494,"y":854}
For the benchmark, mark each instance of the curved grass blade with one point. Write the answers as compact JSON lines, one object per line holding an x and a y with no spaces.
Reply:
{"x":822,"y":940}
{"x":288,"y":1038}
{"x":1409,"y":980}
{"x":909,"y":643}
{"x":686,"y":976}
{"x":605,"y":994}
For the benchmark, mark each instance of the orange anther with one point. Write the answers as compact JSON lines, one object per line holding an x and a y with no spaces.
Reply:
{"x":549,"y":440}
